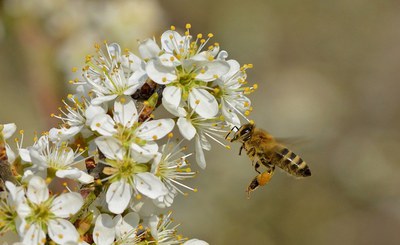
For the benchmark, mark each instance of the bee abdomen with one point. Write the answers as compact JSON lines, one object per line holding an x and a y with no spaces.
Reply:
{"x":291,"y":163}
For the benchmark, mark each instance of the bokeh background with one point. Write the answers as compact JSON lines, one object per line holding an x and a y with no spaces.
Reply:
{"x":328,"y":72}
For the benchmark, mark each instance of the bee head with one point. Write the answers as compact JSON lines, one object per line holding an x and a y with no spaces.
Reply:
{"x":244,"y":133}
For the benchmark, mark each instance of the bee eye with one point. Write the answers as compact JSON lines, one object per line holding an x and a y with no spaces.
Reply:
{"x":245,"y":131}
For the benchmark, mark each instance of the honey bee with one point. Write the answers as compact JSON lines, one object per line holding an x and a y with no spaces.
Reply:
{"x":263,"y":149}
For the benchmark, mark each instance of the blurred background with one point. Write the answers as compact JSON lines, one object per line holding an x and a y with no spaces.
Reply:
{"x":328,"y":72}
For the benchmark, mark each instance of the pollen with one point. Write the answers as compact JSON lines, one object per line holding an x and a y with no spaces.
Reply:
{"x":247,"y":113}
{"x":216,"y":76}
{"x":71,"y":81}
{"x":203,"y":40}
{"x":98,"y":125}
{"x":74,"y":69}
{"x":199,"y":36}
{"x":170,"y":135}
{"x":228,"y":147}
{"x":210,"y":35}
{"x":48,"y":180}
{"x":216,"y":90}
{"x":122,"y":100}
{"x":186,"y":33}
{"x":172,"y":58}
{"x":252,"y":122}
{"x":171,"y":36}
{"x":69,"y":96}
{"x":60,"y":236}
{"x":246,"y":104}
{"x":202,"y":71}
{"x":138,"y":196}
{"x":173,"y":28}
{"x":255,"y":86}
{"x":195,"y":190}
{"x":197,"y":102}
{"x":188,"y":26}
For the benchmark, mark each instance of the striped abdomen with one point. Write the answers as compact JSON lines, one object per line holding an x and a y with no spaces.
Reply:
{"x":290,"y":162}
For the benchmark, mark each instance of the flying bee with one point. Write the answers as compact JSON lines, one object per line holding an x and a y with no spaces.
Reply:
{"x":263,"y":149}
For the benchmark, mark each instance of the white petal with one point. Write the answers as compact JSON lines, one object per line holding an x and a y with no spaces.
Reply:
{"x":34,"y":235}
{"x":172,"y":95}
{"x":203,"y":103}
{"x":37,"y":190}
{"x":10,"y":154}
{"x":195,"y":242}
{"x":126,"y":227}
{"x":149,"y":185}
{"x":72,"y":173}
{"x":149,"y":49}
{"x":118,"y":196}
{"x":200,"y":159}
{"x":103,"y":124}
{"x":176,"y":111}
{"x":125,"y":111}
{"x":222,"y":55}
{"x":213,"y":70}
{"x":155,"y":129}
{"x":101,"y":99}
{"x":62,"y":231}
{"x":24,"y":154}
{"x":93,"y":111}
{"x":85,"y":178}
{"x":143,"y":154}
{"x":234,"y":67}
{"x":169,"y":60}
{"x":153,"y":223}
{"x":110,"y":147}
{"x":8,"y":130}
{"x":37,"y":158}
{"x":67,"y":204}
{"x":171,"y":40}
{"x":104,"y":231}
{"x":63,"y":134}
{"x":186,"y":128}
{"x":159,"y":73}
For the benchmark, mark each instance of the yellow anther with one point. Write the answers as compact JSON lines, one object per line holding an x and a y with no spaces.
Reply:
{"x":164,"y":79}
{"x":187,"y":33}
{"x":247,"y":113}
{"x":96,"y":46}
{"x":197,"y":102}
{"x":202,"y":71}
{"x":171,"y":36}
{"x":210,"y":35}
{"x":202,"y":40}
{"x":172,"y":58}
{"x":74,"y":69}
{"x":195,"y":190}
{"x":188,"y":170}
{"x":188,"y":26}
{"x":216,"y":44}
{"x":122,"y":100}
{"x":215,"y":76}
{"x":252,"y":122}
{"x":48,"y":180}
{"x":138,"y":196}
{"x":146,"y":103}
{"x":173,"y":28}
{"x":71,"y":81}
{"x":69,"y":96}
{"x":170,"y":135}
{"x":65,"y":184}
{"x":228,"y":147}
{"x":199,"y":36}
{"x":246,"y":104}
{"x":216,"y":90}
{"x":255,"y":86}
{"x":98,"y":124}
{"x":250,"y":66}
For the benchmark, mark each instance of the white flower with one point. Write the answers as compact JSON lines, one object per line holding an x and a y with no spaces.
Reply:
{"x":8,"y":203}
{"x":193,"y":126}
{"x":195,"y":242}
{"x":76,"y":119}
{"x":55,"y":158}
{"x":162,"y":232}
{"x":121,"y":229}
{"x":124,"y":126}
{"x":171,"y":167}
{"x":114,"y":74}
{"x":185,"y":69}
{"x":43,"y":214}
{"x":232,"y":94}
{"x":127,"y":176}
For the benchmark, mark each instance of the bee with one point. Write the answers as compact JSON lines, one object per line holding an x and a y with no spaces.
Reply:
{"x":265,"y":150}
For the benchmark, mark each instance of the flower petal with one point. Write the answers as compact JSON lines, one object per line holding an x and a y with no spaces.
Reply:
{"x":172,"y":95}
{"x":149,"y":185}
{"x":171,"y":40}
{"x":8,"y":130}
{"x":103,"y":124}
{"x":126,"y":227}
{"x":213,"y":70}
{"x":67,"y":204}
{"x":93,"y":111}
{"x":125,"y":111}
{"x":149,"y":49}
{"x":104,"y":231}
{"x":34,"y":235}
{"x":62,"y":231}
{"x":110,"y":147}
{"x":155,"y":129}
{"x":200,"y":159}
{"x":159,"y":73}
{"x":118,"y":196}
{"x":101,"y":99}
{"x":37,"y":190}
{"x":195,"y":242}
{"x":186,"y":128}
{"x":145,"y":153}
{"x":203,"y":103}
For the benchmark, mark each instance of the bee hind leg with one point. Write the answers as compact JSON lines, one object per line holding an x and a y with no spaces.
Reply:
{"x":259,"y":180}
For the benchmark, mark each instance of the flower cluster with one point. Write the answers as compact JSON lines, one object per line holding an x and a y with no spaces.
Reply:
{"x":110,"y":148}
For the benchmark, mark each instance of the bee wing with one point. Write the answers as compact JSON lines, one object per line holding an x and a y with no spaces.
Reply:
{"x":292,"y":141}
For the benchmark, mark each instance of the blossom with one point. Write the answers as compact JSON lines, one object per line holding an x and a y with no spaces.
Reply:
{"x":8,"y":204}
{"x":43,"y":214}
{"x":114,"y":74}
{"x":162,"y":232}
{"x":171,"y":167}
{"x":76,"y":119}
{"x":185,"y":69}
{"x":121,"y":229}
{"x":57,"y":158}
{"x":232,"y":94}
{"x":127,"y":176}
{"x":124,"y":126}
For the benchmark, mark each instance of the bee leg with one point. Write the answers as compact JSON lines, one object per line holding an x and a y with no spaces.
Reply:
{"x":256,"y":167}
{"x":241,"y":148}
{"x":259,"y":180}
